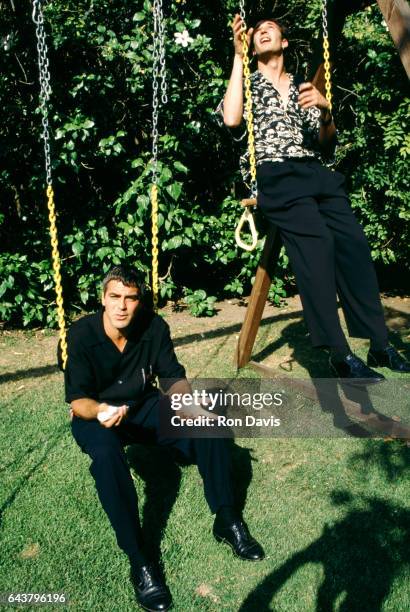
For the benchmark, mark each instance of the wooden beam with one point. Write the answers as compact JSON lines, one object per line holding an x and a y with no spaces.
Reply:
{"x":257,"y":300}
{"x":396,"y":14}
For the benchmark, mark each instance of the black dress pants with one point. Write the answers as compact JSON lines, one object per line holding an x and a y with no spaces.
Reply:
{"x":327,"y":249}
{"x":112,"y":476}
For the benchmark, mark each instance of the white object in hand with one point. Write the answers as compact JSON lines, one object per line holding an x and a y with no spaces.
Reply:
{"x":104,"y":415}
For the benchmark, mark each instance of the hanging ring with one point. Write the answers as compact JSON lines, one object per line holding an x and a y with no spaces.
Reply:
{"x":247,"y":217}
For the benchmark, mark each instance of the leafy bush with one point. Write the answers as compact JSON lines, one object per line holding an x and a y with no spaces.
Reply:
{"x":200,"y":304}
{"x":25,"y":290}
{"x":277,"y":292}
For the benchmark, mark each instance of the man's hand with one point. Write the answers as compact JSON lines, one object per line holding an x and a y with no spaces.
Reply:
{"x":190,"y":412}
{"x":237,"y":35}
{"x":115,"y":420}
{"x":310,"y":96}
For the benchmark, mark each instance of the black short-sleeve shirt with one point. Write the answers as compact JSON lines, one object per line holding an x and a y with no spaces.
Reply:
{"x":97,"y":369}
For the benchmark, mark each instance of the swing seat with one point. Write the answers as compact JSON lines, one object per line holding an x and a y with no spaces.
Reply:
{"x":248,"y":202}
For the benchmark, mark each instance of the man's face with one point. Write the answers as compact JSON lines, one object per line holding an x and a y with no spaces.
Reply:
{"x":121,"y":304}
{"x":267,"y":38}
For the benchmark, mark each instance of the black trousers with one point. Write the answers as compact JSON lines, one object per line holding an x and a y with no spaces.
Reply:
{"x":327,"y":249}
{"x":112,"y":476}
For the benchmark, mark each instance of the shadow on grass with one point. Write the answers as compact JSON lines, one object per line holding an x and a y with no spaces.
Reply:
{"x":28,"y":373}
{"x":396,"y":318}
{"x":48,"y":447}
{"x":161,"y":470}
{"x":233,"y":329}
{"x":361,"y":555}
{"x":392,"y":458}
{"x":316,"y":363}
{"x":22,"y":457}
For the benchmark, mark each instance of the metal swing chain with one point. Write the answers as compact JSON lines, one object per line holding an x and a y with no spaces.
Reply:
{"x":159,"y":84}
{"x":45,"y":92}
{"x":326,"y":55}
{"x":248,"y":101}
{"x":247,"y":216}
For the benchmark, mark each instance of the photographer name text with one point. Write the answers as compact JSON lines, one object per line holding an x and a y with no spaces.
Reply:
{"x":224,"y":421}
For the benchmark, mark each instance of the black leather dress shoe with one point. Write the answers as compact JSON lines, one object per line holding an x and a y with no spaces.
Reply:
{"x":236,"y":534}
{"x":355,"y":370}
{"x":151,"y":591}
{"x":389,"y":358}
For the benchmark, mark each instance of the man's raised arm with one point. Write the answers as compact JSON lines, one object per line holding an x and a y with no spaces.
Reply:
{"x":233,"y":101}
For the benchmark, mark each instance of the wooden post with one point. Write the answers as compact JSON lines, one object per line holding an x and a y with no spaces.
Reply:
{"x":396,"y":14}
{"x":257,"y":300}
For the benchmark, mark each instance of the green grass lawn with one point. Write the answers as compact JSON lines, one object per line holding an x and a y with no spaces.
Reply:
{"x":332,"y":513}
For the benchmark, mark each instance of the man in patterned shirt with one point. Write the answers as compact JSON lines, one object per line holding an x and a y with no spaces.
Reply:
{"x":308,"y":203}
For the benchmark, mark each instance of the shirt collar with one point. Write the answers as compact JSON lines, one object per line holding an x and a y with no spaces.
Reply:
{"x":261,"y":78}
{"x":141,"y":330}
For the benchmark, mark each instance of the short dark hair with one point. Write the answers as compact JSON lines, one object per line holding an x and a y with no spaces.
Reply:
{"x":257,"y":22}
{"x":130,"y":277}
{"x":127,"y":275}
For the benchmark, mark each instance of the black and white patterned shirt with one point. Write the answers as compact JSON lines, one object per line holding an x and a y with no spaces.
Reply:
{"x":280,"y":132}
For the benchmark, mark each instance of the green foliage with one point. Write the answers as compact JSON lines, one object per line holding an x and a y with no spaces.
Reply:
{"x":375,"y":148}
{"x":277,"y":292}
{"x":100,"y":116}
{"x":25,"y":289}
{"x":199,"y":303}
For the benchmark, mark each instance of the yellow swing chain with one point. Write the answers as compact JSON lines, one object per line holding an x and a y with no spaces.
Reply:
{"x":247,"y":216}
{"x":45,"y":92}
{"x":248,"y":102}
{"x":158,"y":81}
{"x":326,"y":55}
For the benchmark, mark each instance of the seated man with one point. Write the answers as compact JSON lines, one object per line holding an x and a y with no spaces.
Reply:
{"x":113,"y":359}
{"x":308,"y":203}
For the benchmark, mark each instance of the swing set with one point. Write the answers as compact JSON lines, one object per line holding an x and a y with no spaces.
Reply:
{"x":334,"y":12}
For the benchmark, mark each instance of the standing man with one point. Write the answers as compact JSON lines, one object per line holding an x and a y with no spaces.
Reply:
{"x":308,"y":203}
{"x":114,"y":357}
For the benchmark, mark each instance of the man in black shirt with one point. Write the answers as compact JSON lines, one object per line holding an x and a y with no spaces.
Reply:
{"x":114,"y":357}
{"x":308,"y":203}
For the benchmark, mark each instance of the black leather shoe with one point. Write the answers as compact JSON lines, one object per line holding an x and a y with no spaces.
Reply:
{"x":389,"y":358}
{"x":236,"y":534}
{"x":150,"y":590}
{"x":355,"y":370}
